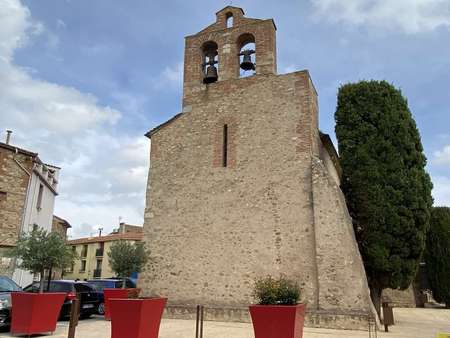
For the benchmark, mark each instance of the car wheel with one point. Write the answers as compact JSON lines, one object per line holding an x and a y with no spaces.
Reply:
{"x":101,"y":309}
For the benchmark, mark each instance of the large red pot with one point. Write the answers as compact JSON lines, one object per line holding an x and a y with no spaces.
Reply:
{"x":136,"y":318}
{"x":278,"y":321}
{"x":116,"y":293}
{"x":34,"y":313}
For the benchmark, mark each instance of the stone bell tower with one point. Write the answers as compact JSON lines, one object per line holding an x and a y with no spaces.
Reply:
{"x":243,"y":185}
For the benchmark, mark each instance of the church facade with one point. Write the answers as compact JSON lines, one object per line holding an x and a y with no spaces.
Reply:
{"x":243,"y":185}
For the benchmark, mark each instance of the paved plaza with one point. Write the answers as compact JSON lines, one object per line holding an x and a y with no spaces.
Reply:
{"x":410,"y":323}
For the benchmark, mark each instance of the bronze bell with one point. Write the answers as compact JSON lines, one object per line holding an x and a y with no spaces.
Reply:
{"x":211,"y":74}
{"x":247,"y":63}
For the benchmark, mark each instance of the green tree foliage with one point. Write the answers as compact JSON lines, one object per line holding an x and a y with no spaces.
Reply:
{"x":126,"y":258}
{"x":41,"y":251}
{"x":387,"y":189}
{"x":437,"y":255}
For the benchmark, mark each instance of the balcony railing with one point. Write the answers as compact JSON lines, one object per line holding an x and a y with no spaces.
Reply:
{"x":97,"y":273}
{"x":99,"y":252}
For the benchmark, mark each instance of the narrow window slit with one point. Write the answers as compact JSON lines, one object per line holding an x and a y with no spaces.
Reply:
{"x":225,"y":146}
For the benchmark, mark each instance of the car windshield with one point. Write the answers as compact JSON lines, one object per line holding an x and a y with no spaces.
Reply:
{"x":99,"y":286}
{"x":59,"y":287}
{"x":82,"y":287}
{"x":7,"y":284}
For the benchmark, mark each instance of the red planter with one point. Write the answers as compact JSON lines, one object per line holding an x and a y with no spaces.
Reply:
{"x":278,"y":321}
{"x":34,"y":313}
{"x":112,"y":293}
{"x":136,"y":318}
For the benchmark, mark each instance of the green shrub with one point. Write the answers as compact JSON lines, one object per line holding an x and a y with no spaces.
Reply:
{"x":281,"y":291}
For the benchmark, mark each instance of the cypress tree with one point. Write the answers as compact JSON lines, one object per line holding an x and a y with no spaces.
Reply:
{"x":437,"y":255}
{"x":387,"y":189}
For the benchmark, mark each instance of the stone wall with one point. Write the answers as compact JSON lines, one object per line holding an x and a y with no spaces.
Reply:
{"x":214,"y":229}
{"x":400,"y":298}
{"x":13,"y":188}
{"x":60,"y":226}
{"x":6,"y":263}
{"x":339,"y":262}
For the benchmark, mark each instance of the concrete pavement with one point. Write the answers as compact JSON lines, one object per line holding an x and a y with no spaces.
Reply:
{"x":410,"y":323}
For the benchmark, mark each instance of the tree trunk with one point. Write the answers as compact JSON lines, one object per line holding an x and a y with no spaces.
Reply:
{"x":124,"y":281}
{"x":375,"y":294}
{"x":49,"y":279}
{"x":41,"y":282}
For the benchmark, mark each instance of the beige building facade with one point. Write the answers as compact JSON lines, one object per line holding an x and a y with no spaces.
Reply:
{"x":243,"y":185}
{"x":93,"y":259}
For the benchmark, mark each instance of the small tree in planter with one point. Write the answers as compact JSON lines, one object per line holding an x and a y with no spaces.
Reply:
{"x":38,"y":252}
{"x":131,"y":318}
{"x":126,"y":258}
{"x":41,"y":251}
{"x":277,"y":313}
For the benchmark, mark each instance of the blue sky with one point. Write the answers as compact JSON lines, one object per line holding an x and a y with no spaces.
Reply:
{"x":84,"y":80}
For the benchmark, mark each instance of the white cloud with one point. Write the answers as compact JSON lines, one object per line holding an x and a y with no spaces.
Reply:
{"x":53,"y":107}
{"x":409,"y":16}
{"x":15,"y":24}
{"x":172,"y":76}
{"x":441,"y":191}
{"x":26,"y":101}
{"x":442,"y":156}
{"x":104,"y":171}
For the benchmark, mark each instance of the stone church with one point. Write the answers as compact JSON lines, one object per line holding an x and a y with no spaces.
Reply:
{"x":242,"y":185}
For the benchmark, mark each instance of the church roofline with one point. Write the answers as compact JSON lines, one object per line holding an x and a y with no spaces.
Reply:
{"x":162,"y":125}
{"x":223,"y":9}
{"x":249,"y":23}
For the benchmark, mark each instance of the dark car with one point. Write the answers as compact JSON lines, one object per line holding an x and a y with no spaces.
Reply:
{"x":88,"y":296}
{"x":7,"y":286}
{"x":108,"y":283}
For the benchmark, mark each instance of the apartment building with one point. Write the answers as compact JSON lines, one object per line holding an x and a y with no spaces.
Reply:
{"x":93,"y":252}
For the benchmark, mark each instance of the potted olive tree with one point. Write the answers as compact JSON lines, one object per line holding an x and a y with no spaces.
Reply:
{"x":131,"y":317}
{"x":124,"y":259}
{"x":39,"y":252}
{"x":277,"y":313}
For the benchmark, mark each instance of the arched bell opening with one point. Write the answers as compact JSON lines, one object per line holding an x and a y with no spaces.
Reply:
{"x":210,"y":62}
{"x":247,"y":55}
{"x":230,"y":20}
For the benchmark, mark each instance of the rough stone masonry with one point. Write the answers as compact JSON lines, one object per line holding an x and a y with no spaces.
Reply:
{"x":243,"y":185}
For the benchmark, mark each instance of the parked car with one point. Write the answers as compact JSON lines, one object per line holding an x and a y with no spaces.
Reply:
{"x":109,"y":283}
{"x":7,"y":286}
{"x":88,"y":296}
{"x":129,"y":282}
